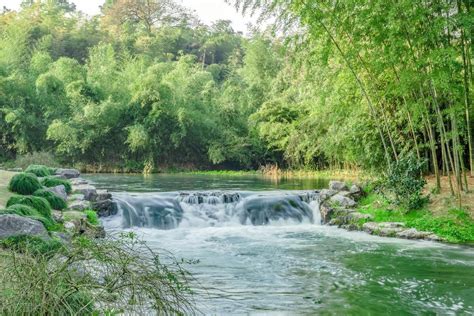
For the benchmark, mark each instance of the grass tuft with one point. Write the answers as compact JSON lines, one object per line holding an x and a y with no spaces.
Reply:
{"x":40,"y":204}
{"x":24,"y":183}
{"x":55,"y":201}
{"x":52,"y":182}
{"x":39,"y":170}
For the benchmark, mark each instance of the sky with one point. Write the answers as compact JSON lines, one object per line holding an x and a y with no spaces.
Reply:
{"x":207,"y":10}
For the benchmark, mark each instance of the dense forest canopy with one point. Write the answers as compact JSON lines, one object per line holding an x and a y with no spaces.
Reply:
{"x":145,"y":84}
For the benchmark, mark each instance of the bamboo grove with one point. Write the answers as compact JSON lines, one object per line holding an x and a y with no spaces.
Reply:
{"x":333,"y":83}
{"x":412,"y":63}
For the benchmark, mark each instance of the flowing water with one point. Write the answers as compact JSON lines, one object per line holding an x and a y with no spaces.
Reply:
{"x":262,"y":250}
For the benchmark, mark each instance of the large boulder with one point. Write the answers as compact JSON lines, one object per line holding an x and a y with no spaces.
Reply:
{"x":356,"y":191}
{"x":342,"y":200}
{"x":325,"y":194}
{"x":105,"y":208}
{"x":68,"y":173}
{"x":15,"y":225}
{"x":76,"y":197}
{"x":89,"y":191}
{"x":338,"y":186}
{"x":59,"y":190}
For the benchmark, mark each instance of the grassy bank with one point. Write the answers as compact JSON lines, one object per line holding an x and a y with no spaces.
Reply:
{"x":5,"y":177}
{"x":453,"y":224}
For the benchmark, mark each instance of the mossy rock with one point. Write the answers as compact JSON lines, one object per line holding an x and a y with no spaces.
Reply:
{"x":24,"y":183}
{"x":28,"y":211}
{"x":39,"y":170}
{"x":38,"y":203}
{"x":52,"y":182}
{"x":55,"y":201}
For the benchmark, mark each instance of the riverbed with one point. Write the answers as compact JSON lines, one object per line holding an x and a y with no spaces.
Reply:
{"x":287,"y":266}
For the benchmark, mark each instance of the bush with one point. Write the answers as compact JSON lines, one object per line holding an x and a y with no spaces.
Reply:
{"x":24,"y":183}
{"x":55,"y":201}
{"x":92,"y":217}
{"x":123,"y":274}
{"x":40,"y":204}
{"x":52,"y":182}
{"x":41,"y":158}
{"x":404,"y":183}
{"x":39,"y":170}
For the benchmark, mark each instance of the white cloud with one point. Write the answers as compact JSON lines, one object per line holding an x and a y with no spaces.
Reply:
{"x":207,"y":10}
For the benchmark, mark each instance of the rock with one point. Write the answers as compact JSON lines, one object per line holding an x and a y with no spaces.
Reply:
{"x":58,"y":176}
{"x":356,"y":191}
{"x":326,"y":194}
{"x":62,"y":236}
{"x":15,"y":225}
{"x":79,"y":205}
{"x":389,"y":229}
{"x":326,"y":213}
{"x":413,"y":233}
{"x":89,"y":191}
{"x":69,"y":226}
{"x":343,"y":201}
{"x":433,"y":237}
{"x":105,"y":208}
{"x":57,"y":216}
{"x":78,"y":181}
{"x":348,"y":217}
{"x":68,"y":173}
{"x":59,"y":190}
{"x":338,"y":186}
{"x":71,"y":216}
{"x":76,"y":197}
{"x":103,"y":195}
{"x":15,"y":169}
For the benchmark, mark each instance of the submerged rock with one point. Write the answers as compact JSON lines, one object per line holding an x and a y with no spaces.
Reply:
{"x":15,"y":225}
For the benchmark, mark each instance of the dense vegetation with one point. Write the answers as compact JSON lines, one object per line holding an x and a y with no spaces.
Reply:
{"x":145,"y":84}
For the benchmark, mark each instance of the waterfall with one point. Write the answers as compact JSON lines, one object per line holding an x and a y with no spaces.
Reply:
{"x":216,"y":208}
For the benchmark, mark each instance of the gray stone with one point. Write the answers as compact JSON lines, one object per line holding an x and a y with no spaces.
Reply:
{"x":413,"y":233}
{"x":76,"y":197}
{"x":15,"y":225}
{"x":338,"y":186}
{"x":68,"y":173}
{"x":326,"y":213}
{"x":103,"y":195}
{"x":59,"y":190}
{"x":389,"y":229}
{"x":434,"y":237}
{"x":326,"y":194}
{"x":71,"y":216}
{"x":69,"y":226}
{"x":356,"y":191}
{"x":89,"y":191}
{"x":79,"y":205}
{"x":57,"y":216}
{"x":58,"y":176}
{"x":343,"y":201}
{"x":78,"y":181}
{"x":105,"y":208}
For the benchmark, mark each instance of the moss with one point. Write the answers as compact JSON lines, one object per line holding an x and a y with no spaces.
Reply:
{"x":39,"y":170}
{"x":52,"y":182}
{"x":41,"y":205}
{"x":24,"y":183}
{"x":55,"y":201}
{"x":92,"y":217}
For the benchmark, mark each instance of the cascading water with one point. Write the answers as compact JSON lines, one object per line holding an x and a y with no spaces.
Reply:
{"x":209,"y":208}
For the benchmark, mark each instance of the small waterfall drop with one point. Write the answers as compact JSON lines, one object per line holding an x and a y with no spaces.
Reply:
{"x":215,"y":208}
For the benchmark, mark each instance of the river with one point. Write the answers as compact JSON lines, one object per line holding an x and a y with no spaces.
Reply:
{"x":262,"y":250}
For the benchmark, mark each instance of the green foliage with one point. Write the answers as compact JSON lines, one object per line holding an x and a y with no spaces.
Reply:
{"x":92,"y":217}
{"x":39,"y":170}
{"x":22,"y":210}
{"x":52,"y":182}
{"x":40,"y":204}
{"x":404,"y":182}
{"x":456,"y":226}
{"x":37,"y":280}
{"x":55,"y":201}
{"x":24,"y":183}
{"x":41,"y":158}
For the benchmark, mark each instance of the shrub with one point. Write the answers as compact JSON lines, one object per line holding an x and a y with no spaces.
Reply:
{"x":24,"y":183}
{"x":40,"y":158}
{"x":92,"y":217}
{"x":404,"y":182}
{"x":52,"y":182}
{"x":40,"y":170}
{"x":123,"y":274}
{"x":40,"y":204}
{"x":55,"y":201}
